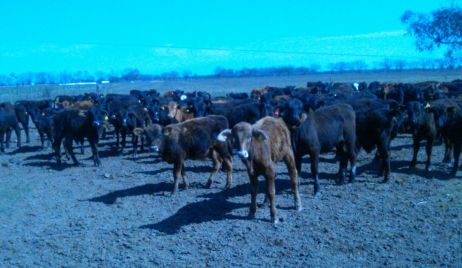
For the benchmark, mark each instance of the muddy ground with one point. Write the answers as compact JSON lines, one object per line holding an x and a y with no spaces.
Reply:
{"x":123,"y":214}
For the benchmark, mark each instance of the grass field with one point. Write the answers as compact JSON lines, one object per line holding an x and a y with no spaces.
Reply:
{"x":221,"y":86}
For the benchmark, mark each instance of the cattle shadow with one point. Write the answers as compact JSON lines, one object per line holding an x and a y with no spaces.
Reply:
{"x":214,"y":207}
{"x":402,"y":167}
{"x":26,"y":149}
{"x":51,"y":165}
{"x":154,"y":172}
{"x":48,"y":156}
{"x":147,"y":189}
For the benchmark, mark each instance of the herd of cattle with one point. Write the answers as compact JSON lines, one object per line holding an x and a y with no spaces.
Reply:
{"x":271,"y":124}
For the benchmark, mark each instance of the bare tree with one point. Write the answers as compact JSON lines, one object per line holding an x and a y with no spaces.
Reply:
{"x":439,"y":28}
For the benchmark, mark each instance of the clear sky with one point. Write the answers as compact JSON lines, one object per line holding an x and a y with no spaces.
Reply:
{"x":159,"y":36}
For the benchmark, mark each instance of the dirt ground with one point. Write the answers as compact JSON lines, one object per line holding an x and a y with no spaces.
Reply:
{"x":123,"y":214}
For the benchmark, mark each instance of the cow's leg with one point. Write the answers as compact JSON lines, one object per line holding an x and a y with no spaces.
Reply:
{"x":142,"y":144}
{"x":270,"y":177}
{"x":2,"y":141}
{"x":253,"y":195}
{"x":290,"y":163}
{"x":227,"y":160}
{"x":447,"y":150}
{"x":352,"y":156}
{"x":68,"y":144}
{"x":117,"y":133}
{"x":343,"y":160}
{"x":18,"y":136}
{"x":457,"y":149}
{"x":25,"y":126}
{"x":217,"y":161}
{"x":416,"y":146}
{"x":57,"y":149}
{"x":185,"y":179}
{"x":82,"y":149}
{"x":7,"y":138}
{"x":135,"y":145}
{"x":94,"y":151}
{"x":428,"y":149}
{"x":124,"y":139}
{"x":298,"y":164}
{"x":42,"y":138}
{"x":176,"y":174}
{"x":382,"y":148}
{"x":314,"y":171}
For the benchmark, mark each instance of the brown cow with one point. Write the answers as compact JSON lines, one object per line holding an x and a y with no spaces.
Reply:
{"x":193,"y":139}
{"x":82,"y":105}
{"x":260,"y":146}
{"x":178,"y":112}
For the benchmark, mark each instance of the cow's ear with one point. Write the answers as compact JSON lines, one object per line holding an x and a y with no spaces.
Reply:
{"x":452,"y":109}
{"x":224,"y":135}
{"x":138,"y":131}
{"x":259,"y":135}
{"x":83,"y":113}
{"x":167,"y":131}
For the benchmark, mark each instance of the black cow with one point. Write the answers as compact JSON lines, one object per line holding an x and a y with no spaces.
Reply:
{"x":71,"y":124}
{"x":323,"y":130}
{"x":10,"y":122}
{"x":423,"y":127}
{"x":377,"y":124}
{"x":454,"y":134}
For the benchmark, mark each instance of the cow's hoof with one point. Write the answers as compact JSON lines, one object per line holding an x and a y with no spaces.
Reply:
{"x":298,"y":207}
{"x":274,"y":221}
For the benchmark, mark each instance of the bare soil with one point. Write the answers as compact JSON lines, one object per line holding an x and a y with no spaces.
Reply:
{"x":123,"y":214}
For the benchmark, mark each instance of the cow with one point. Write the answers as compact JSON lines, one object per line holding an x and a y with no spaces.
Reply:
{"x":44,"y":124}
{"x":377,"y":124}
{"x":71,"y":124}
{"x":454,"y":134}
{"x":193,"y":139}
{"x":440,"y":109}
{"x":179,"y":112}
{"x":10,"y":122}
{"x":323,"y":130}
{"x":422,"y":125}
{"x":261,"y":146}
{"x":25,"y":109}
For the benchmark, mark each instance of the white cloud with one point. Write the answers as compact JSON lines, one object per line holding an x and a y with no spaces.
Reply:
{"x":397,"y":33}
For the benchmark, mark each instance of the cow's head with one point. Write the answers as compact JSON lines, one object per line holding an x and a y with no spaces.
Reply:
{"x":241,"y":137}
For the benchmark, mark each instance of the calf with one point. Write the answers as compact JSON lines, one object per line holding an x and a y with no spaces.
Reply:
{"x":261,"y":146}
{"x":179,"y":112}
{"x":323,"y":130}
{"x":192,"y":139}
{"x":70,"y":125}
{"x":422,"y":125}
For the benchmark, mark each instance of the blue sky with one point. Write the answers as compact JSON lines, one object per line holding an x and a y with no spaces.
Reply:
{"x":159,"y":36}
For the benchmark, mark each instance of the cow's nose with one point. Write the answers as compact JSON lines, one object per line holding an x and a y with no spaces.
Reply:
{"x":243,"y":154}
